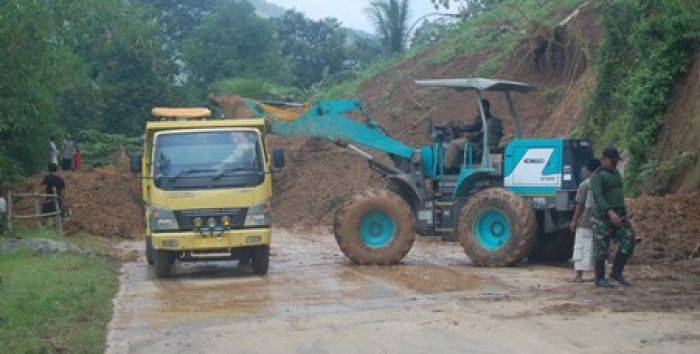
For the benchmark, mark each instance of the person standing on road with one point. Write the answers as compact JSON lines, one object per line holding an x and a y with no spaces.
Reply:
{"x":67,"y":153}
{"x":581,"y":225}
{"x":609,"y":220}
{"x":53,"y":151}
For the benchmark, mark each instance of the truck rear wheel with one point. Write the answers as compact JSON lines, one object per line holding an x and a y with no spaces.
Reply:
{"x":375,"y":227}
{"x":260,"y":258}
{"x":163,"y":263}
{"x":497,"y":228}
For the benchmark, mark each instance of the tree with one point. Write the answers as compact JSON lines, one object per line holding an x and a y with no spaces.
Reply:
{"x":390,"y":19}
{"x":314,"y":48}
{"x":70,"y":65}
{"x":178,"y":18}
{"x":233,"y":42}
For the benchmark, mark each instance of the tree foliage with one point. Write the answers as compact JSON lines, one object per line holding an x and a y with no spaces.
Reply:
{"x":314,"y":48}
{"x":98,"y":66}
{"x":232,"y":42}
{"x":70,"y":65}
{"x":390,"y":19}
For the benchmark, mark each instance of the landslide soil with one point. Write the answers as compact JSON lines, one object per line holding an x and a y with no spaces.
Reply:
{"x":103,"y":201}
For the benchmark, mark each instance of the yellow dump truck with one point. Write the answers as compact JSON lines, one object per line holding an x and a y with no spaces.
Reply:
{"x":206,"y":185}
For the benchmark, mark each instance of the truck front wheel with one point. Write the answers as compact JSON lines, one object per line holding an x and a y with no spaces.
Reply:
{"x":150,"y":256}
{"x":260,"y":259}
{"x":163,"y":263}
{"x":497,"y":228}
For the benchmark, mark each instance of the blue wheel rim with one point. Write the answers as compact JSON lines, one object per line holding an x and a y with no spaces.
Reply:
{"x":492,"y":229}
{"x":377,"y":229}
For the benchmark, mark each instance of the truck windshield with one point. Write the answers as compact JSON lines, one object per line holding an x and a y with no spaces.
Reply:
{"x":217,"y":159}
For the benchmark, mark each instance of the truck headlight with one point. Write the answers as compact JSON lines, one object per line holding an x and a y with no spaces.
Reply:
{"x":161,"y":219}
{"x":258,"y":215}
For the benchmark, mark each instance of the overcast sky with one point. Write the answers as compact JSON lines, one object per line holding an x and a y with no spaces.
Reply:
{"x":350,"y":12}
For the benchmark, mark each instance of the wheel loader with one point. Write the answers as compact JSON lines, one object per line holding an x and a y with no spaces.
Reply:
{"x":505,"y":206}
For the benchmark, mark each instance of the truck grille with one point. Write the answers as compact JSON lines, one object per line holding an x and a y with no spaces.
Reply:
{"x":185,"y":217}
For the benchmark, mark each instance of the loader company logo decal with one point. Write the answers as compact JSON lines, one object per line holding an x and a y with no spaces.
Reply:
{"x":530,"y":170}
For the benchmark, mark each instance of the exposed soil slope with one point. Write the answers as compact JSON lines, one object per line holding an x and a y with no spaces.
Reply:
{"x":679,"y":139}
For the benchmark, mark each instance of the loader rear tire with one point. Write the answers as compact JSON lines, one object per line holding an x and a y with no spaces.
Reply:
{"x":375,"y":227}
{"x":497,"y":228}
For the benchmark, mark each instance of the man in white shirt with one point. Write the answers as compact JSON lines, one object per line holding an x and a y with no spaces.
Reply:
{"x":581,"y":224}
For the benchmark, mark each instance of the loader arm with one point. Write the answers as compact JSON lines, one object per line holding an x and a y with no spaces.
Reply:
{"x":329,"y":120}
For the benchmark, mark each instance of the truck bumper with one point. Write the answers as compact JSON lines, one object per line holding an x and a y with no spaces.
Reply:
{"x":192,"y":241}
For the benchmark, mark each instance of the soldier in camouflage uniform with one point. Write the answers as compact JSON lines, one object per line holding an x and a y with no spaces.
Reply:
{"x":609,"y":220}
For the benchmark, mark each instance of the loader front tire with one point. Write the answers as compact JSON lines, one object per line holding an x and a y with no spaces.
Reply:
{"x":375,"y":227}
{"x":497,"y":228}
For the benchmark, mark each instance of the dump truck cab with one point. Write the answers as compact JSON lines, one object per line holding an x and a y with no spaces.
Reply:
{"x":206,"y":185}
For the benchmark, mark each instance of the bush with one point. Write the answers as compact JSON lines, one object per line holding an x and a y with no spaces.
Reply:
{"x":96,"y":148}
{"x":646,"y":47}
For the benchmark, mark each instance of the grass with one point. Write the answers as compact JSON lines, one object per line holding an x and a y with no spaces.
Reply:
{"x":56,"y":303}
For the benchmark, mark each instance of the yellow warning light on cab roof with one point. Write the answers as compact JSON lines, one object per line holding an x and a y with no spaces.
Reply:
{"x":181,"y":113}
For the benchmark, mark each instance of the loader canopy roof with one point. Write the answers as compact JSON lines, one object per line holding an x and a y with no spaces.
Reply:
{"x":478,"y":84}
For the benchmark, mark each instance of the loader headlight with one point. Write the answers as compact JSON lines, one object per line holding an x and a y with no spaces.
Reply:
{"x":161,"y":219}
{"x":258,"y":215}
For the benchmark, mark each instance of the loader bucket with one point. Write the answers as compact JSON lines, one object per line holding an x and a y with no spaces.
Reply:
{"x":328,"y":120}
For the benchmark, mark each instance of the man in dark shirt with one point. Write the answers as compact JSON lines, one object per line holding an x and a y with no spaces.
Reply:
{"x":609,"y":219}
{"x":474,"y":134}
{"x":54,"y":184}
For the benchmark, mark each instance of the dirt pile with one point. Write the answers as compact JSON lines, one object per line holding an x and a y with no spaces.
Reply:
{"x":104,"y":201}
{"x":668,"y":226}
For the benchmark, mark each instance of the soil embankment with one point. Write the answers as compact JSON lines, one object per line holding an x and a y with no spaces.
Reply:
{"x":103,"y":201}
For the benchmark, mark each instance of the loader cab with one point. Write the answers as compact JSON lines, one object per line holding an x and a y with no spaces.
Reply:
{"x":477,"y":168}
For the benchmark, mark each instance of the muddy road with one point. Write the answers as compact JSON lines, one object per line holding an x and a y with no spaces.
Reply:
{"x":314,"y":301}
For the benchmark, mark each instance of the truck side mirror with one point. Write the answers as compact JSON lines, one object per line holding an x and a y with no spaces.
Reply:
{"x":277,"y":159}
{"x":135,"y":163}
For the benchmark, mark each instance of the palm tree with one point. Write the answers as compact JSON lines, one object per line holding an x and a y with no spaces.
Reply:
{"x":390,"y":19}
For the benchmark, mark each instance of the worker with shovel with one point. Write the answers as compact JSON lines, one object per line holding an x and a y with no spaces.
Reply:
{"x":610,"y":220}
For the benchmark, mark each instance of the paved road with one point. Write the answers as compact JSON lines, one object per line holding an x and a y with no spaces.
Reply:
{"x":313,"y":301}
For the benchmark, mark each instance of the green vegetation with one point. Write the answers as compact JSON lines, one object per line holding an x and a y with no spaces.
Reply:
{"x":55,"y":303}
{"x":646,"y":47}
{"x":101,"y":65}
{"x":233,"y":41}
{"x":97,"y":148}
